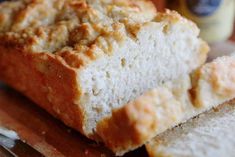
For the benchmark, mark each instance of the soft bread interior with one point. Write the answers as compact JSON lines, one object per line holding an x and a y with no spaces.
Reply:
{"x":159,"y":53}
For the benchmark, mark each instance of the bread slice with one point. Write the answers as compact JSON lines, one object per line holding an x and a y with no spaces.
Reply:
{"x":79,"y":60}
{"x":169,"y":105}
{"x":210,"y":134}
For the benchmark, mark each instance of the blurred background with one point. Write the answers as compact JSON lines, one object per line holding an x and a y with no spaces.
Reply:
{"x":215,"y":18}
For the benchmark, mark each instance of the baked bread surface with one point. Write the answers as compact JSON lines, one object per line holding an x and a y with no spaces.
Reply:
{"x":74,"y":25}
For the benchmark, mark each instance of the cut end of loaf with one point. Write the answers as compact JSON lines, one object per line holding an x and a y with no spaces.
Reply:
{"x":158,"y":53}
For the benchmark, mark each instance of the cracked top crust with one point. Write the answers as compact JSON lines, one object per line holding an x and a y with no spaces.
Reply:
{"x":70,"y":25}
{"x":79,"y":31}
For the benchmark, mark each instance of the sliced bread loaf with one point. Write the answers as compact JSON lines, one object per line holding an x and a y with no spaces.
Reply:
{"x":80,"y":59}
{"x":208,"y":135}
{"x":169,"y":105}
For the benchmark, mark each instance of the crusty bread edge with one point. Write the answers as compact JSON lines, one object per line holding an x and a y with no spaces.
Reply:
{"x":47,"y":80}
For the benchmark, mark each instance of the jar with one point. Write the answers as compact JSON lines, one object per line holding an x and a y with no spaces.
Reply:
{"x":214,"y":17}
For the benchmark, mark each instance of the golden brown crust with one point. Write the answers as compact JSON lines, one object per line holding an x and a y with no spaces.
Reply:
{"x":218,"y":77}
{"x":18,"y":15}
{"x":137,"y":122}
{"x":85,"y":20}
{"x":46,"y":79}
{"x":221,"y":80}
{"x":128,"y":120}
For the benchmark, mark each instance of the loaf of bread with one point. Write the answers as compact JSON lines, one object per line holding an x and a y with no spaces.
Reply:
{"x":82,"y":59}
{"x":212,"y":134}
